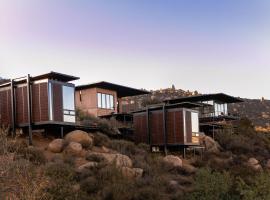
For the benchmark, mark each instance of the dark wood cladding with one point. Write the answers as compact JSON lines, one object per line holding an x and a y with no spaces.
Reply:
{"x":178,"y":128}
{"x":188,"y":127}
{"x":21,"y":105}
{"x":175,"y":127}
{"x":40,"y":102}
{"x":140,"y":124}
{"x":5,"y":107}
{"x":156,"y":127}
{"x":57,"y":102}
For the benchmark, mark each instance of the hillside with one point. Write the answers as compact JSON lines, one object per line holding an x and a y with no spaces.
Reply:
{"x":258,"y":111}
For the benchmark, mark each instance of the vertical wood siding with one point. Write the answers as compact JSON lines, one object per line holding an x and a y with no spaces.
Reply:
{"x":57,"y":102}
{"x":5,"y":107}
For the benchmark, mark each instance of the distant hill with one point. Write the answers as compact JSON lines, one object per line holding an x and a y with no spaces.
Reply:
{"x":258,"y":111}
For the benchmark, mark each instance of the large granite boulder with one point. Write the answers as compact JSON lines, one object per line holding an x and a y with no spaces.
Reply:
{"x":74,"y":148}
{"x":80,"y":137}
{"x":173,"y":160}
{"x":56,"y":146}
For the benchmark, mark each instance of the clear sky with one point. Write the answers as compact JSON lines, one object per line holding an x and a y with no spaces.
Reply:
{"x":205,"y":45}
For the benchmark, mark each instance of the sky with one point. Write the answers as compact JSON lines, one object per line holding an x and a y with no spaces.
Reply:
{"x":205,"y":45}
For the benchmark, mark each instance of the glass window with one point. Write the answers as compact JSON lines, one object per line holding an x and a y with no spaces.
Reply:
{"x":112,"y":101}
{"x":108,"y":103}
{"x":68,"y":104}
{"x":195,"y":122}
{"x":50,"y":102}
{"x":105,"y":101}
{"x":99,"y":100}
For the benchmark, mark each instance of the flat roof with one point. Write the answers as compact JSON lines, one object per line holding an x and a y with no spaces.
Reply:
{"x":168,"y":106}
{"x":55,"y":76}
{"x":206,"y":97}
{"x":51,"y":75}
{"x":122,"y":91}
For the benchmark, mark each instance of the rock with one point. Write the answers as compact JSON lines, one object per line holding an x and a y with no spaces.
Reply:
{"x":253,"y":161}
{"x":173,"y":160}
{"x":76,"y":188}
{"x":86,"y":166}
{"x":210,"y":144}
{"x":56,"y":146}
{"x":189,"y":168}
{"x":118,"y":159}
{"x":132,"y":172}
{"x":74,"y":148}
{"x":123,"y":161}
{"x":254,"y":164}
{"x":80,"y":137}
{"x":268,"y":164}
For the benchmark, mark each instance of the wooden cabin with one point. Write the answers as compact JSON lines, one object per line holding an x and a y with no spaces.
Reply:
{"x":167,"y":125}
{"x":39,"y":101}
{"x":214,"y":114}
{"x":103,"y":98}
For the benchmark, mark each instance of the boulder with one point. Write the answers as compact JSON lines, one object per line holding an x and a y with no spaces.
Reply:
{"x":119,"y":160}
{"x":254,"y":164}
{"x":210,"y":144}
{"x":268,"y":164}
{"x":56,"y":146}
{"x":132,"y":172}
{"x":123,"y":161}
{"x":253,"y":161}
{"x":74,"y":148}
{"x":80,"y":137}
{"x":86,"y":166}
{"x":189,"y":168}
{"x":173,"y":160}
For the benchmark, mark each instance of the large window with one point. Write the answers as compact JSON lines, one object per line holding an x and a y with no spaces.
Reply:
{"x":105,"y":101}
{"x":68,"y":104}
{"x":221,"y":109}
{"x":195,"y":122}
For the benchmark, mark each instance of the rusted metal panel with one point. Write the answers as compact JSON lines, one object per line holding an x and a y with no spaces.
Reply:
{"x":21,"y":105}
{"x":57,"y":102}
{"x":156,"y":127}
{"x":5,"y":107}
{"x":179,"y":127}
{"x":140,"y":126}
{"x":188,"y":127}
{"x":40,"y":102}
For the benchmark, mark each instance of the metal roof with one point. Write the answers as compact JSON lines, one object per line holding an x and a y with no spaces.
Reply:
{"x":206,"y":97}
{"x":177,"y":105}
{"x":122,"y":91}
{"x":55,"y":76}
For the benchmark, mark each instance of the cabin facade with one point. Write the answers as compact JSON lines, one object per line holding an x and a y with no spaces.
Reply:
{"x":213,"y":112}
{"x":36,"y":101}
{"x":167,"y":125}
{"x":103,"y":98}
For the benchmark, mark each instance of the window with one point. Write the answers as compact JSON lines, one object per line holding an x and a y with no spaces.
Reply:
{"x":50,"y":102}
{"x":221,"y":109}
{"x":68,"y":104}
{"x":105,"y":101}
{"x":195,"y":122}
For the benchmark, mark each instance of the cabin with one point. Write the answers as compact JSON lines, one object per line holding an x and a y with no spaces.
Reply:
{"x":214,"y":114}
{"x":168,"y":126}
{"x":39,"y":102}
{"x":103,"y":98}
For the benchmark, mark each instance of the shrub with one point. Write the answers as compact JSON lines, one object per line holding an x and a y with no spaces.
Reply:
{"x":32,"y":154}
{"x":95,"y":158}
{"x":211,"y":185}
{"x":101,"y":140}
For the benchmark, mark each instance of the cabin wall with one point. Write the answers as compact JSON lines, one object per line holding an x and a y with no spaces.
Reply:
{"x":178,"y":127}
{"x":5,"y":107}
{"x":87,"y":101}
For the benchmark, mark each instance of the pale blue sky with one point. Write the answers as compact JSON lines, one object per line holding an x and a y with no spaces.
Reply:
{"x":205,"y":45}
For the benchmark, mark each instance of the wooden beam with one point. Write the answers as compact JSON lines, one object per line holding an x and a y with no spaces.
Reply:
{"x":29,"y":103}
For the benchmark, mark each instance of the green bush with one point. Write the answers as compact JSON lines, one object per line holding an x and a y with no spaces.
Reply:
{"x":211,"y":185}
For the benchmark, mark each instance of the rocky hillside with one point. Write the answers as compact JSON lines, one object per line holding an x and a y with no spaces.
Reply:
{"x":256,"y":110}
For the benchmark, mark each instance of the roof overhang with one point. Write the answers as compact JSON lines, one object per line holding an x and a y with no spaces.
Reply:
{"x":122,"y":91}
{"x":221,"y":97}
{"x":55,"y":76}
